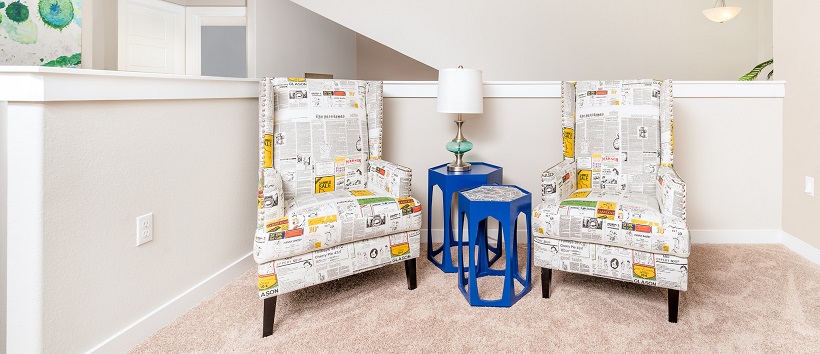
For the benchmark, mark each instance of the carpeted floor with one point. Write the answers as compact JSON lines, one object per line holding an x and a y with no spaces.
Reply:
{"x":741,"y":299}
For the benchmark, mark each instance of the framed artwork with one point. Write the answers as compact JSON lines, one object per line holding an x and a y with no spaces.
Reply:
{"x":41,"y":32}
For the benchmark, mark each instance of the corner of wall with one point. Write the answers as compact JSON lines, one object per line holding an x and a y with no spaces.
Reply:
{"x":3,"y":210}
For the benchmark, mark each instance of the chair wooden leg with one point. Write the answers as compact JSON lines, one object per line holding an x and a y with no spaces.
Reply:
{"x":546,"y":279}
{"x":673,"y":305}
{"x":410,"y":272}
{"x":268,"y":315}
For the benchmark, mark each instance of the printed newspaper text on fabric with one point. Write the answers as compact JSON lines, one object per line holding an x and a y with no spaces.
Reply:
{"x":328,"y":205}
{"x":614,"y":207}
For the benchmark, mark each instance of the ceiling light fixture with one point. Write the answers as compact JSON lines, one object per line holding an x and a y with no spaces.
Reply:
{"x":720,"y":12}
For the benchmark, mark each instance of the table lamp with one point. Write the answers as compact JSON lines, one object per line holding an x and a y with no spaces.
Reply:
{"x":460,"y":91}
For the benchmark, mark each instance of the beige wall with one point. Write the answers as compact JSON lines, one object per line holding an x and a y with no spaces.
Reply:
{"x":101,"y":17}
{"x":522,"y":135}
{"x":765,"y":48}
{"x":375,"y":61}
{"x":797,"y":54}
{"x":719,"y":143}
{"x":190,"y":163}
{"x":557,"y":40}
{"x":292,"y":41}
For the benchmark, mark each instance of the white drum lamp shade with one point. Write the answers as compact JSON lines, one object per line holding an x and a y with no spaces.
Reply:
{"x":460,"y":91}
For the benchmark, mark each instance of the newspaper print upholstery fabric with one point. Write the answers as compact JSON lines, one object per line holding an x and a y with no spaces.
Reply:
{"x":324,"y":132}
{"x":389,"y":177}
{"x":319,"y":221}
{"x":612,"y":217}
{"x":617,"y":134}
{"x":615,"y":192}
{"x":323,"y":185}
{"x":493,"y":193}
{"x":297,"y":272}
{"x":619,"y":263}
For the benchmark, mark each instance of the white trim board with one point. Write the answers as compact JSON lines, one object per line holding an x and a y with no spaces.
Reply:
{"x":698,"y":236}
{"x":135,"y":333}
{"x":800,"y":247}
{"x":552,"y":89}
{"x":42,"y":84}
{"x":24,"y":225}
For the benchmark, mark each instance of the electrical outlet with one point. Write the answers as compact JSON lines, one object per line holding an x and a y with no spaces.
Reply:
{"x":145,"y":228}
{"x":810,"y":186}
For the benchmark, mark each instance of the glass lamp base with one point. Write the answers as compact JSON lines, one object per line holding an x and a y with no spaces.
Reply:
{"x":458,"y":146}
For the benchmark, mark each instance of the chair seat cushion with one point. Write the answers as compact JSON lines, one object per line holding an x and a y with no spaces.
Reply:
{"x":612,"y":217}
{"x":319,"y":221}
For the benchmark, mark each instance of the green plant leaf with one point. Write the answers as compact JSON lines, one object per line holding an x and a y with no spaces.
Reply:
{"x":753,"y":74}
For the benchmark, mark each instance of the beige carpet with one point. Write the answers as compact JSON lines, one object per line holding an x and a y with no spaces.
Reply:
{"x":741,"y":299}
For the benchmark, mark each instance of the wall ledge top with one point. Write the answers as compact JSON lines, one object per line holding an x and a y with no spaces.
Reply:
{"x":552,"y":89}
{"x":44,"y":84}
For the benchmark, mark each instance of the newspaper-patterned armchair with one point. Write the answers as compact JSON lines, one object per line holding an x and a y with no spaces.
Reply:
{"x":329,"y":206}
{"x":614,"y":207}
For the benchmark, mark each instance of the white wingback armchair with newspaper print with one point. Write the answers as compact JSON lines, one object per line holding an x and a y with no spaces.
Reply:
{"x":614,"y":207}
{"x":329,"y":206}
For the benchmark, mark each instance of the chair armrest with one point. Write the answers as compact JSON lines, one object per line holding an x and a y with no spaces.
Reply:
{"x":389,"y":177}
{"x":271,"y":197}
{"x":671,"y":193}
{"x":559,"y":181}
{"x":271,"y":209}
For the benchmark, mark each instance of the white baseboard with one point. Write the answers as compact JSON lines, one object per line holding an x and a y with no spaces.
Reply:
{"x":735,"y":236}
{"x":800,"y":247}
{"x":138,"y":331}
{"x":698,"y":236}
{"x":709,"y":236}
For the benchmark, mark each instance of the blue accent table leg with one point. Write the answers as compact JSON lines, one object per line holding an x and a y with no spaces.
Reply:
{"x":450,"y":183}
{"x":506,"y":211}
{"x":430,"y":252}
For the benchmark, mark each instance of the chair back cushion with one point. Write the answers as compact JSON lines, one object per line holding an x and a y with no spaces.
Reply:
{"x":324,"y":131}
{"x":615,"y":130}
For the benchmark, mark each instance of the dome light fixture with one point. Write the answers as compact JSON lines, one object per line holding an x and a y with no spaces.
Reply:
{"x":720,"y":12}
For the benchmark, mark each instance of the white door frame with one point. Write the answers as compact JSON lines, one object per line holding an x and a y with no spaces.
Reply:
{"x":196,"y":17}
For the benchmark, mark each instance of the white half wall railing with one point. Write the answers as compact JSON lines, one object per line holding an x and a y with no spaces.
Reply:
{"x":552,"y":89}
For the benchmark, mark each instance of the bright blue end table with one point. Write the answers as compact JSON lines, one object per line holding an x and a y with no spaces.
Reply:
{"x":451,"y":182}
{"x":504,"y":203}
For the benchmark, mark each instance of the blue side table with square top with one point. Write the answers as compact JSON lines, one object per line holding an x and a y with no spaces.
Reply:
{"x":451,"y":182}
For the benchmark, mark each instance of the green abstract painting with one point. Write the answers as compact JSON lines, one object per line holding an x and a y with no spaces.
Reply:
{"x":41,"y":32}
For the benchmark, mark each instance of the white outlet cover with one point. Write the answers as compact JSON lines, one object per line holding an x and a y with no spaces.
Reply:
{"x":145,"y":228}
